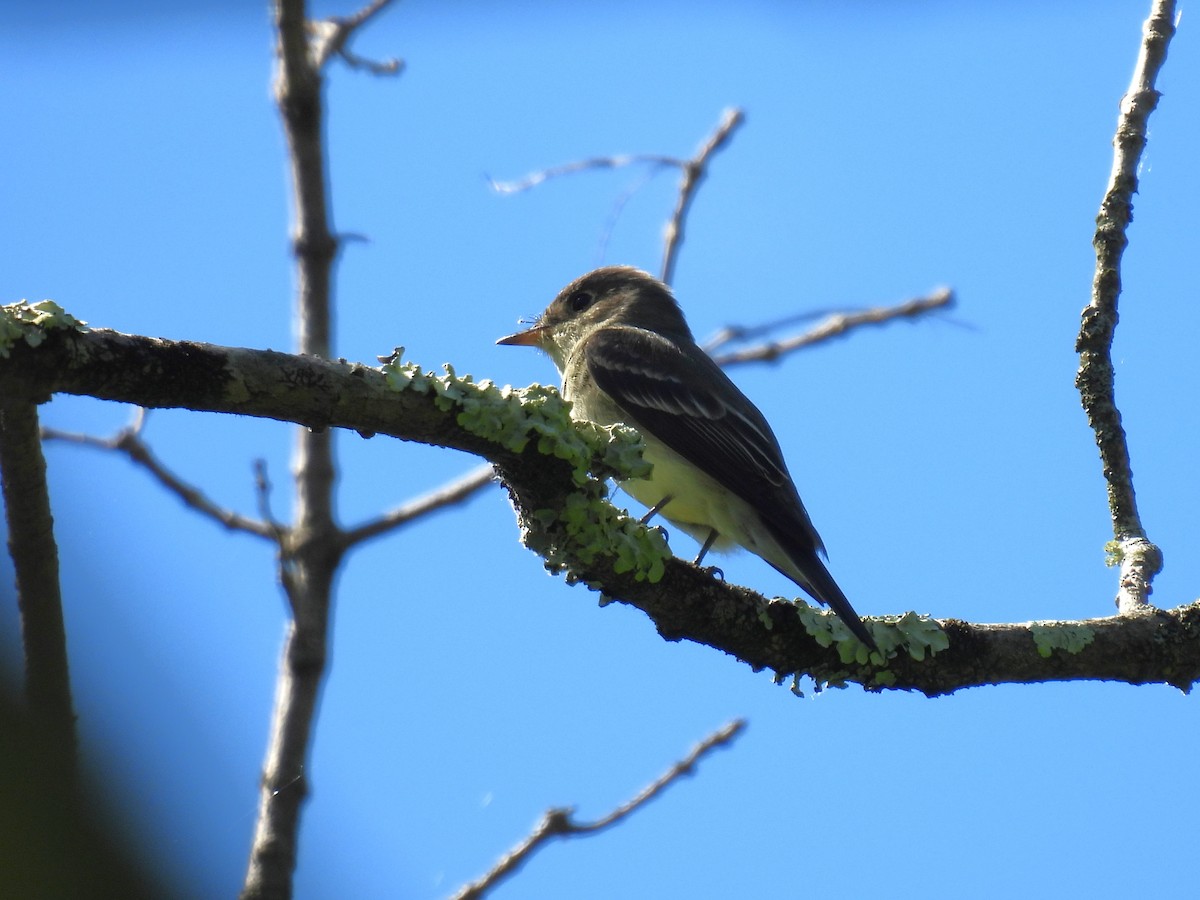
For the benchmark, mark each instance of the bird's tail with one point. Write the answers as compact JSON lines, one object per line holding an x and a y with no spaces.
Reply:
{"x":816,"y":580}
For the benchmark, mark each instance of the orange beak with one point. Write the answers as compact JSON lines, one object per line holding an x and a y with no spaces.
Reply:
{"x":530,"y":337}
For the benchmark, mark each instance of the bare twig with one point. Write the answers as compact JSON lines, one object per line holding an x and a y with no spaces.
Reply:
{"x":262,"y":491}
{"x":835,"y":325}
{"x":533,"y":179}
{"x":558,"y":823}
{"x":614,"y":214}
{"x":129,"y":442}
{"x":39,"y":597}
{"x":447,"y":495}
{"x":694,"y":172}
{"x":1140,"y":560}
{"x":332,"y":36}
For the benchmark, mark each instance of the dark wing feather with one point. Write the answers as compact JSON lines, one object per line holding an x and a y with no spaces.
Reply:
{"x":679,"y":395}
{"x":674,"y":391}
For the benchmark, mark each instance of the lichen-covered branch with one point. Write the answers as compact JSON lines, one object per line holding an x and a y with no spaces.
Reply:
{"x":1140,"y":560}
{"x":544,"y":461}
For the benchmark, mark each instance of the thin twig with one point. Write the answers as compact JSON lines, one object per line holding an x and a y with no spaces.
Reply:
{"x":262,"y":491}
{"x":533,"y":179}
{"x":129,"y":442}
{"x":614,"y":213}
{"x":835,"y":325}
{"x":447,"y":495}
{"x":694,"y":172}
{"x":332,"y":36}
{"x":1140,"y":560}
{"x":558,"y":823}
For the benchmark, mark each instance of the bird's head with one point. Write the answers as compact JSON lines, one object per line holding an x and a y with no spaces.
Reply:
{"x":613,"y":295}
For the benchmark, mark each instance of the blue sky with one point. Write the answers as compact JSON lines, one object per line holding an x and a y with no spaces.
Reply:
{"x":888,"y":149}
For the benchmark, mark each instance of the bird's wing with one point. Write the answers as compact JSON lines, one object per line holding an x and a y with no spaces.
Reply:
{"x":684,"y":399}
{"x":679,"y":395}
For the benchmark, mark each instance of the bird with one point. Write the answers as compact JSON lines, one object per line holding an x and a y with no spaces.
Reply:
{"x":620,"y":341}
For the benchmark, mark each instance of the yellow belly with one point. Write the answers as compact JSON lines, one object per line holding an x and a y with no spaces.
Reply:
{"x":698,"y":504}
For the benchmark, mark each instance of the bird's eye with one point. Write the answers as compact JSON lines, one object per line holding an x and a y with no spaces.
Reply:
{"x":580,"y":300}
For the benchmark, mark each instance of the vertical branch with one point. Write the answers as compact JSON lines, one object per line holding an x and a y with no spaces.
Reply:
{"x":35,"y":558}
{"x":311,"y":549}
{"x":298,"y":95}
{"x":1140,"y":559}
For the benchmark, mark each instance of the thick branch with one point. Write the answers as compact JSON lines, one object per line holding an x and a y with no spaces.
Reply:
{"x":1140,"y":559}
{"x":1161,"y":647}
{"x":35,"y":558}
{"x":311,"y":550}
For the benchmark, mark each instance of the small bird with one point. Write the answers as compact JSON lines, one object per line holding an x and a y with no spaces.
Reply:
{"x":626,"y":354}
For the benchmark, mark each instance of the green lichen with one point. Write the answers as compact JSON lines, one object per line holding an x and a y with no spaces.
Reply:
{"x":883,"y":679}
{"x":30,"y":322}
{"x":1057,"y":636}
{"x":918,"y":635}
{"x":591,"y":529}
{"x":1114,"y":553}
{"x":588,"y":527}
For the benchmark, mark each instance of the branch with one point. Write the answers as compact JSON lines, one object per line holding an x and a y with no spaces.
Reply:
{"x":458,"y":491}
{"x":129,"y":442}
{"x":332,"y":36}
{"x":558,"y":823}
{"x":1140,"y":560}
{"x":35,"y":557}
{"x":533,"y":179}
{"x":684,"y":603}
{"x":312,"y":549}
{"x":694,"y":172}
{"x":835,"y":325}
